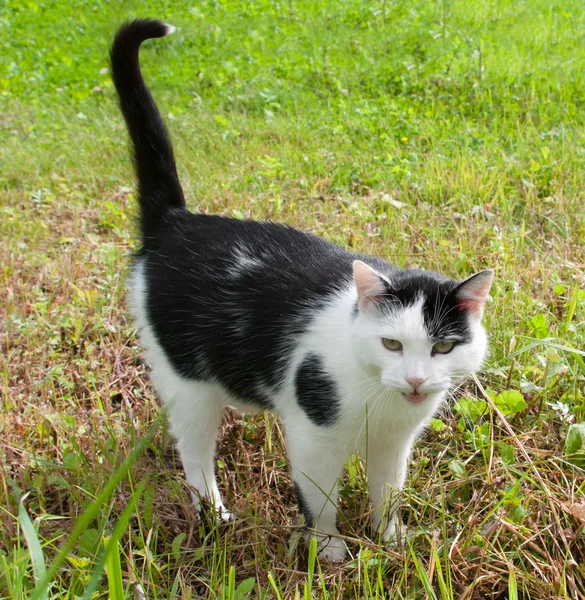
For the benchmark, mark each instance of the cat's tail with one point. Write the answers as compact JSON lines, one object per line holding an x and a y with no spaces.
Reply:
{"x":159,"y":190}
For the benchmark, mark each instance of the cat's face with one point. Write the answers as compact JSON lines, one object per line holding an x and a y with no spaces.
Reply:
{"x":420,"y":334}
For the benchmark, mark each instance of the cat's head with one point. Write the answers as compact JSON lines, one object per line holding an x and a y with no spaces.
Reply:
{"x":419,"y":332}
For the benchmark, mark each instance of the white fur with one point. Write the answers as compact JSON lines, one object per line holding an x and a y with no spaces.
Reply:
{"x":375,"y":420}
{"x":243,"y":263}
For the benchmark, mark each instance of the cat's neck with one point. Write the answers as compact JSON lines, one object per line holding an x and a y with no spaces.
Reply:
{"x":331,"y":332}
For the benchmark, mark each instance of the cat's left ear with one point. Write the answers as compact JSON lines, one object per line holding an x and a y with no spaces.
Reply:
{"x":472,"y":293}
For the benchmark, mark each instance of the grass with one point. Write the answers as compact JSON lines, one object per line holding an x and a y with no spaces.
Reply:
{"x":443,"y":134}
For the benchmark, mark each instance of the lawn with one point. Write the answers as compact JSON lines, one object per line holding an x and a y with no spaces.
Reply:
{"x":444,"y":134}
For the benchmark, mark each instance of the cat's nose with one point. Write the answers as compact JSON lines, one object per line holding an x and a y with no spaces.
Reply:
{"x":415,"y":382}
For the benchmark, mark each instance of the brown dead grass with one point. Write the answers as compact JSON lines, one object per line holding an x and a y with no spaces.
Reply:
{"x":75,"y":386}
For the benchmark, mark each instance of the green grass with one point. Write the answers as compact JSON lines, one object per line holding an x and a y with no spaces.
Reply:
{"x":447,"y":135}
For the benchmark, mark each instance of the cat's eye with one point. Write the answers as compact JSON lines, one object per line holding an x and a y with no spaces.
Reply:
{"x":394,"y":345}
{"x":443,"y":347}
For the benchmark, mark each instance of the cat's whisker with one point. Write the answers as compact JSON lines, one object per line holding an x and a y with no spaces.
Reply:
{"x":369,"y":411}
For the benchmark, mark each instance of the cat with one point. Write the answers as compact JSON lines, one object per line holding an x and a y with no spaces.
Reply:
{"x":354,"y":355}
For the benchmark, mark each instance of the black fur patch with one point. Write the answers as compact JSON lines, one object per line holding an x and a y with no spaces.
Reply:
{"x":303,"y":506}
{"x":316,"y":391}
{"x":443,"y":318}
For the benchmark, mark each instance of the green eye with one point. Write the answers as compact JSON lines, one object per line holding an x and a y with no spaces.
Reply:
{"x":443,"y":347}
{"x":394,"y":345}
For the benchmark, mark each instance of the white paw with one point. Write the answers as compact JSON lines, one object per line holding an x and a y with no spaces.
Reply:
{"x":223,"y":514}
{"x":392,"y":533}
{"x":207,"y":504}
{"x":332,"y":550}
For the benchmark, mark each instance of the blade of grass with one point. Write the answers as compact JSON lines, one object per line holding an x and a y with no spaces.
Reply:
{"x":117,"y":533}
{"x":572,"y":307}
{"x":34,"y":546}
{"x":113,"y":569}
{"x":445,"y":593}
{"x":422,"y":574}
{"x":545,"y":342}
{"x":231,"y":592}
{"x":512,"y":584}
{"x":273,"y":586}
{"x":92,"y":511}
{"x":310,"y":568}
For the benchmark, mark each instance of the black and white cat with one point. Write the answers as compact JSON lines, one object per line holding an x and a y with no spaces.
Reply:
{"x":353,"y":354}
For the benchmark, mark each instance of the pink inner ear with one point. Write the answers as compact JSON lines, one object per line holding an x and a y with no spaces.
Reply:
{"x":368,"y":282}
{"x":473,"y":292}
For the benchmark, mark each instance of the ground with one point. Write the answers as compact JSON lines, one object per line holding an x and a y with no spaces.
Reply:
{"x":440,"y":134}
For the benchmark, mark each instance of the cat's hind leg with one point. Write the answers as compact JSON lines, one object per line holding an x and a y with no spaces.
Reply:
{"x":194,"y":407}
{"x":195,"y":410}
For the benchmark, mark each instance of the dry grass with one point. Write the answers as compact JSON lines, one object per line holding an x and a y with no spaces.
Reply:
{"x":77,"y":398}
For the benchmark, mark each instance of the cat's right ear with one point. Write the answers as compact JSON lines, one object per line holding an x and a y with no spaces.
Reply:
{"x":369,"y":283}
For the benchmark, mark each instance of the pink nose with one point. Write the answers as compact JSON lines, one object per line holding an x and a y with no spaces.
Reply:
{"x":416,"y":381}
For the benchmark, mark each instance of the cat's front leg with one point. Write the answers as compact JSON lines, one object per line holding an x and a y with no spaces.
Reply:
{"x":386,"y":467}
{"x":316,"y":464}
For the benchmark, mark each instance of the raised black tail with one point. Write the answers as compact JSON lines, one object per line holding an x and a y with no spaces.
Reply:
{"x":159,"y":189}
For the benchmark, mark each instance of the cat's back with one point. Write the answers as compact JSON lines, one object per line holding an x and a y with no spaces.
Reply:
{"x":212,"y":255}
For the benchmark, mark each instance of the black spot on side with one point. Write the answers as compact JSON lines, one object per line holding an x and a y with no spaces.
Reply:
{"x":303,"y":507}
{"x":316,"y":391}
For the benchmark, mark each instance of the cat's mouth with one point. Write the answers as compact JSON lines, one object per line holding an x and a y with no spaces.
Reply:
{"x":415,"y":397}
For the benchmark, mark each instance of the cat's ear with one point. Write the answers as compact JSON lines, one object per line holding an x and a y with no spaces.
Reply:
{"x":472,"y":293}
{"x":369,"y":283}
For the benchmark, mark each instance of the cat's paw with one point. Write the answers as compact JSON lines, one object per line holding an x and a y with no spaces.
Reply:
{"x":223,"y":514}
{"x":392,"y":533}
{"x":397,"y":534}
{"x":205,"y":506}
{"x":332,"y":550}
{"x":215,"y":513}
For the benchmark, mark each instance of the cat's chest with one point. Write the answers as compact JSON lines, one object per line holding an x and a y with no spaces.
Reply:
{"x":370,"y":409}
